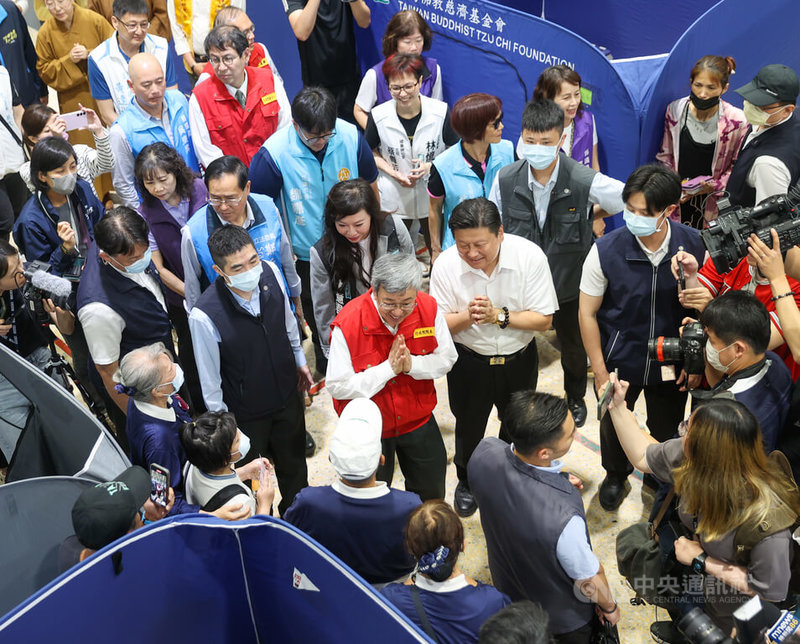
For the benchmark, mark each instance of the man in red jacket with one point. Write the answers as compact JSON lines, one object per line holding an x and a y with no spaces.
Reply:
{"x":389,"y":345}
{"x":237,"y":108}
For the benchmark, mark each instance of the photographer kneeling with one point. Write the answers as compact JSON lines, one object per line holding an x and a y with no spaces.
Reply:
{"x":737,"y":361}
{"x":21,"y":333}
{"x":727,"y":488}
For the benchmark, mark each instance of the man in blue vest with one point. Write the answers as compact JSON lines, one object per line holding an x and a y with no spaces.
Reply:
{"x":249,"y":356}
{"x":534,"y":521}
{"x":298,"y":166}
{"x":627,"y":296}
{"x":769,"y":161}
{"x":155,"y":114}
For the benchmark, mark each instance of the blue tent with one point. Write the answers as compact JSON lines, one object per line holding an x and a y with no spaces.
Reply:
{"x":201,"y":579}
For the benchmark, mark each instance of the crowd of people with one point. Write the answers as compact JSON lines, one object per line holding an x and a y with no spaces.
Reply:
{"x":205,"y":235}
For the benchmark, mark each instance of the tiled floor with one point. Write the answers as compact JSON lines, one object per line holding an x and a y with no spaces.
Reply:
{"x":583,"y":460}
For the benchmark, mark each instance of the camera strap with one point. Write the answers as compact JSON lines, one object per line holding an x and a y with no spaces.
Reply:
{"x":11,"y":131}
{"x":728,"y":381}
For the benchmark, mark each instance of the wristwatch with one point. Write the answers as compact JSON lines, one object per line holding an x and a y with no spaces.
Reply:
{"x":502,"y":318}
{"x":699,"y":562}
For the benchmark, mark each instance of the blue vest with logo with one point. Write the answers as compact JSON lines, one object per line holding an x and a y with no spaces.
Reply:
{"x":641,"y":301}
{"x":461,"y":183}
{"x":306,"y":182}
{"x":141,"y":131}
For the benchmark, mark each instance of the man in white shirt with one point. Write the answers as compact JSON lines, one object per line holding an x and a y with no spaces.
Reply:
{"x":389,"y":344}
{"x":495,"y":291}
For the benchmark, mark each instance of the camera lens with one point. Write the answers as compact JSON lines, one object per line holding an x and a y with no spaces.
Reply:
{"x":699,"y":629}
{"x":663,"y":349}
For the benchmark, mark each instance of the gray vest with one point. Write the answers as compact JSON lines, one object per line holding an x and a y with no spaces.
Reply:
{"x":567,"y":234}
{"x":523,"y":512}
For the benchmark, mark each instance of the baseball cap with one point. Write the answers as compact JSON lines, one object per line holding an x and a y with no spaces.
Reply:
{"x":773,"y":84}
{"x":104,"y":513}
{"x":355,"y":448}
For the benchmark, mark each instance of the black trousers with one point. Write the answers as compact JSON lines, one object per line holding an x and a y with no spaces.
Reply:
{"x":13,"y":195}
{"x":666,"y":406}
{"x":304,"y":272}
{"x":281,"y":437}
{"x":180,"y":322}
{"x":422,"y":458}
{"x":474,"y":387}
{"x":573,"y":355}
{"x":345,"y":95}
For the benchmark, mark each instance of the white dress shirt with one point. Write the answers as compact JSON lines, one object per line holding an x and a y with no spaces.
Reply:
{"x":521,"y":281}
{"x":344,"y":383}
{"x":768,"y":175}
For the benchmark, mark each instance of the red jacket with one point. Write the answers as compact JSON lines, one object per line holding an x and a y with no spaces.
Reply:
{"x":405,"y":403}
{"x":234,"y":130}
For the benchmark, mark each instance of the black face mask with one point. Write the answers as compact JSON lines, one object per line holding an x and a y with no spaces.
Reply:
{"x":703,"y":103}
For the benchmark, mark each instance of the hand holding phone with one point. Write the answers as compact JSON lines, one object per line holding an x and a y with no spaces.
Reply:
{"x":159,"y":484}
{"x":605,"y":398}
{"x":76,"y":120}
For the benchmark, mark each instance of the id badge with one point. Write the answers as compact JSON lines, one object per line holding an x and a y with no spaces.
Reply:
{"x":667,"y":372}
{"x":497,"y":360}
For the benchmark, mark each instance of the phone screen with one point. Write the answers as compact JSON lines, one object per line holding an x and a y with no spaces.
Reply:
{"x":159,"y":484}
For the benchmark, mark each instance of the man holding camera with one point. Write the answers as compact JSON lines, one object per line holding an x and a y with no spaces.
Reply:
{"x":628,"y":296}
{"x":21,"y":333}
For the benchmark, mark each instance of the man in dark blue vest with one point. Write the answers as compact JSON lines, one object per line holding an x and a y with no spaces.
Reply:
{"x":769,"y":161}
{"x":534,"y":521}
{"x":627,"y":296}
{"x":121,"y":302}
{"x":248,"y":353}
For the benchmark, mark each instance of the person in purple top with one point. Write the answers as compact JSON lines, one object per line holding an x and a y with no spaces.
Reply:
{"x":171,"y":193}
{"x":449,"y":606}
{"x":406,"y":33}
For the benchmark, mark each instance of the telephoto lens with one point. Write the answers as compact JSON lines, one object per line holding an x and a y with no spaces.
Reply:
{"x":699,"y":629}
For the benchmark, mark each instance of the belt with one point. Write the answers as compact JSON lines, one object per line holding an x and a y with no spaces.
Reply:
{"x":494,"y":360}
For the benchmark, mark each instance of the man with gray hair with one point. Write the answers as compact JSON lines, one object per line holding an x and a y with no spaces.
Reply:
{"x":389,"y":344}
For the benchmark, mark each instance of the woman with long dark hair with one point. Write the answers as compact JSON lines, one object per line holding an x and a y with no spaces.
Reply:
{"x":356,"y":234}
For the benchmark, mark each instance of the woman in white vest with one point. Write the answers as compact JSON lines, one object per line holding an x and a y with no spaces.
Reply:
{"x":356,"y":234}
{"x":406,"y":134}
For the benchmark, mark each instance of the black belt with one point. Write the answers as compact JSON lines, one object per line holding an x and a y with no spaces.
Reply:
{"x":494,"y":360}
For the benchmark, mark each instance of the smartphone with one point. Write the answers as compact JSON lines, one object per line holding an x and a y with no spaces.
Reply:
{"x":602,"y":403}
{"x":76,"y":120}
{"x":159,"y":484}
{"x":695,"y":184}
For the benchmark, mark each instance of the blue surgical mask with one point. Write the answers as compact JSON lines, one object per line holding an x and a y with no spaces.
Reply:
{"x":140,"y":265}
{"x":177,"y":381}
{"x":538,"y":156}
{"x":640,"y":225}
{"x":244,"y":447}
{"x":246,"y":281}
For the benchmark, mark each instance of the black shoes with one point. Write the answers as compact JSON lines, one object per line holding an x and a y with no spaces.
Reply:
{"x":612,"y":490}
{"x":463,"y":501}
{"x":311,"y":446}
{"x":578,"y":409}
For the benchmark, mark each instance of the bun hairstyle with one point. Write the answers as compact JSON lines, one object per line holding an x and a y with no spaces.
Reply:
{"x":717,"y":66}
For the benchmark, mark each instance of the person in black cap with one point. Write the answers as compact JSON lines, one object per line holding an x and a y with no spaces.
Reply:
{"x":769,"y":161}
{"x":108,"y":511}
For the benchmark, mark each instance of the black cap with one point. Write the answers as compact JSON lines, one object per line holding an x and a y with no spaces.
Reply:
{"x":773,"y":84}
{"x":105,"y":512}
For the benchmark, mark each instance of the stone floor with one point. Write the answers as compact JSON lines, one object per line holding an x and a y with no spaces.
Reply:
{"x":583,"y":460}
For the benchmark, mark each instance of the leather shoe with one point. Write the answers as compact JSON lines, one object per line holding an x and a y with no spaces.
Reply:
{"x":311,"y":445}
{"x":463,"y":501}
{"x":612,"y":491}
{"x":578,"y":409}
{"x":667,"y":633}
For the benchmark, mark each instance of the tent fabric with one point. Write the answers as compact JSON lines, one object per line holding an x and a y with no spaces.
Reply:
{"x":202,"y":579}
{"x":35,"y":516}
{"x":61,"y":436}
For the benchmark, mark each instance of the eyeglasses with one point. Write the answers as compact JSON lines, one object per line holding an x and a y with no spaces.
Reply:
{"x":396,"y":89}
{"x":496,"y":123}
{"x":250,"y":31}
{"x":133,"y":26}
{"x":226,"y":201}
{"x":391,"y":306}
{"x":228,"y":60}
{"x":311,"y":140}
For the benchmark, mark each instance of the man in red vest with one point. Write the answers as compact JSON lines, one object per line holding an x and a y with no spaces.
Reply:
{"x":237,"y":108}
{"x":389,"y":345}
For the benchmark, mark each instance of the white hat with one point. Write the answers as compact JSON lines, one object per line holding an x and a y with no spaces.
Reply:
{"x":355,"y":448}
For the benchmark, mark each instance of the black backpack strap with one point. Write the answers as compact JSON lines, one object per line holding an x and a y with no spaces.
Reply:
{"x":423,"y":617}
{"x":11,"y":131}
{"x":222,"y":497}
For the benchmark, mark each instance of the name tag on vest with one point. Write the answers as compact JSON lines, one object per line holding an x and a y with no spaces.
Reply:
{"x":424,"y":332}
{"x":269,"y":98}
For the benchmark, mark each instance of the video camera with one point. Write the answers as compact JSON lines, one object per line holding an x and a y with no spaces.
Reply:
{"x":40,"y":285}
{"x":725,"y":238}
{"x":756,"y":622}
{"x":689,"y":349}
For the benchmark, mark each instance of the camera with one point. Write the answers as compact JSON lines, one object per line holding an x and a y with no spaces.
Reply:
{"x":725,"y":238}
{"x":688,"y":349}
{"x":40,"y":285}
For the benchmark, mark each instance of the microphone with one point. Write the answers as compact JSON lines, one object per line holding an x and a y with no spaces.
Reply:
{"x":53,"y":287}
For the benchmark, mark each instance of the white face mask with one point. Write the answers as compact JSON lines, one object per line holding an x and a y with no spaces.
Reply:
{"x":244,"y":447}
{"x":712,"y":357}
{"x":756,"y":116}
